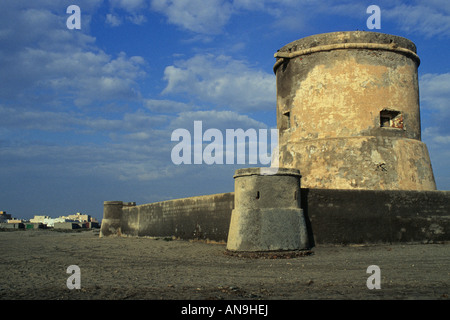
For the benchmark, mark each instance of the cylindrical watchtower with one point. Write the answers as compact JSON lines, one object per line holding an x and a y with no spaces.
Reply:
{"x":348,"y":112}
{"x":112,"y":218}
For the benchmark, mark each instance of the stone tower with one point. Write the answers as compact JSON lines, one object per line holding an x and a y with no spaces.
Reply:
{"x":348,"y":112}
{"x":267,"y":215}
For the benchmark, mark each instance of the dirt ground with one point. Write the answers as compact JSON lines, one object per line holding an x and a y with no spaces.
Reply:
{"x":34,"y":264}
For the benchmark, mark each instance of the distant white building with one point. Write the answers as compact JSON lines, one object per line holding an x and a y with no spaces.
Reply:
{"x":80,"y":217}
{"x":39,"y":219}
{"x":60,"y":219}
{"x":48,"y":221}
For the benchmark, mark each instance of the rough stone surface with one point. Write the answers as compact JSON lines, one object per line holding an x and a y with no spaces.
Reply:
{"x":256,"y":191}
{"x":267,"y":214}
{"x":267,"y":230}
{"x":377,"y":216}
{"x":350,"y":118}
{"x":203,"y":217}
{"x":112,"y":218}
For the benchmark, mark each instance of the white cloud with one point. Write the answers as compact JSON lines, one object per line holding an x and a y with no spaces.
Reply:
{"x":137,"y":19}
{"x":136,"y":146}
{"x":42,"y":55}
{"x":250,"y":4}
{"x":435,"y":105}
{"x":90,"y":76}
{"x":132,"y":124}
{"x":113,"y":20}
{"x":438,"y":143}
{"x":140,"y":148}
{"x":168,"y":106}
{"x":223,"y":81}
{"x":435,"y":92}
{"x":430,"y":19}
{"x":221,"y":120}
{"x":36,"y":120}
{"x":210,"y":17}
{"x":435,"y":137}
{"x":131,"y":6}
{"x":207,"y":17}
{"x":122,"y":161}
{"x":132,"y":10}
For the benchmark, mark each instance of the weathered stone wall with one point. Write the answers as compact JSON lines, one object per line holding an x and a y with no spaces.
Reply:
{"x":203,"y":217}
{"x":372,"y":216}
{"x":267,"y":215}
{"x":348,"y":112}
{"x":332,"y":216}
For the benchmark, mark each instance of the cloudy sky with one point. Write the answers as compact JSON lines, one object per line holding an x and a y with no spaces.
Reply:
{"x":86,"y":115}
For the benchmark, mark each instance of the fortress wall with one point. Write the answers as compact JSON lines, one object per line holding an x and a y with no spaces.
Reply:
{"x":130,"y":221}
{"x":332,"y":216}
{"x":203,"y":217}
{"x":374,"y":216}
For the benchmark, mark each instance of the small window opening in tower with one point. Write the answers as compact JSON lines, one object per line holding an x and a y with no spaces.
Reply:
{"x":286,"y":120}
{"x":391,"y":119}
{"x":257,"y":194}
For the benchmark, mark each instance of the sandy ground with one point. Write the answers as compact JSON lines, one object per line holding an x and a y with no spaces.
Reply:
{"x":34,"y":265}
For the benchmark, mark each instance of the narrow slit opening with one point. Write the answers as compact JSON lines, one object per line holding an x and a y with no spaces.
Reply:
{"x":286,"y":120}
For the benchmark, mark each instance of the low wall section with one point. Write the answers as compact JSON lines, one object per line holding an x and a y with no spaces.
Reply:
{"x":202,"y":217}
{"x":333,"y":216}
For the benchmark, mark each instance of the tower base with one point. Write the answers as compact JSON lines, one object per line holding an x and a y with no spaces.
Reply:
{"x":364,"y":163}
{"x":268,"y":229}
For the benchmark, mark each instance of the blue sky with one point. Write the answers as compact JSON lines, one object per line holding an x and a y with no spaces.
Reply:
{"x":86,"y":115}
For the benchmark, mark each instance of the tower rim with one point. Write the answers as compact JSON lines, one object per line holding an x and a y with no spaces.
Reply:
{"x":346,"y":40}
